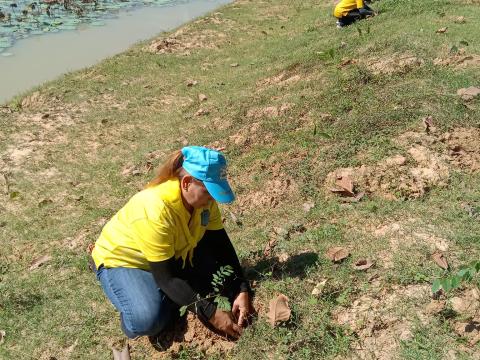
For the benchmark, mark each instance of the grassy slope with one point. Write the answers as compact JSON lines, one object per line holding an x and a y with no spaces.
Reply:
{"x":114,"y":114}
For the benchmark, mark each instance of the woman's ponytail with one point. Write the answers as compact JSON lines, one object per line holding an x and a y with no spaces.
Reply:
{"x":171,"y":168}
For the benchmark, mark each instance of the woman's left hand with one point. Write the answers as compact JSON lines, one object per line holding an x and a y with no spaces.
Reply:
{"x":242,"y":308}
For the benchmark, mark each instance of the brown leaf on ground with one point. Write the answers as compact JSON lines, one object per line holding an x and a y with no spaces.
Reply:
{"x":39,"y":262}
{"x":234,"y":65}
{"x":428,"y":123}
{"x":469,"y":93}
{"x":344,"y":186}
{"x":202,"y":112}
{"x":363,"y":264}
{"x":191,"y":82}
{"x":270,"y":247}
{"x":337,"y":254}
{"x":2,"y":336}
{"x":279,"y":310}
{"x":442,"y":30}
{"x":435,"y":307}
{"x":440,"y":260}
{"x":202,"y":97}
{"x":121,"y":355}
{"x":460,"y":20}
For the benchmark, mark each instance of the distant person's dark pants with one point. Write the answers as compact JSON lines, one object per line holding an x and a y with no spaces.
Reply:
{"x":352,"y":16}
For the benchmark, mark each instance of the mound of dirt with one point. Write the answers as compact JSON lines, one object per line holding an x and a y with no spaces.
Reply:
{"x":464,"y":148}
{"x":427,"y":163}
{"x":183,"y":42}
{"x":251,"y":135}
{"x":458,"y":61}
{"x":188,"y":333}
{"x":397,"y":64}
{"x":281,"y":79}
{"x":378,"y":321}
{"x":393,"y":177}
{"x":274,"y":192}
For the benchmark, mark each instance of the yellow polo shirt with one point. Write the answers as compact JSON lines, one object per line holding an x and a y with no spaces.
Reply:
{"x":345,"y":6}
{"x":154,"y":226}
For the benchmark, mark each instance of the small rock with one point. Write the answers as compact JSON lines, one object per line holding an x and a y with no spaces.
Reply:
{"x":460,"y":20}
{"x":191,"y":83}
{"x":202,"y":97}
{"x":442,"y":30}
{"x":202,"y":112}
{"x":234,"y":65}
{"x":318,"y":289}
{"x":435,"y":307}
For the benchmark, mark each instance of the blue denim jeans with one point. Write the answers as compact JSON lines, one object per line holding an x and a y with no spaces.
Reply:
{"x":144,"y":309}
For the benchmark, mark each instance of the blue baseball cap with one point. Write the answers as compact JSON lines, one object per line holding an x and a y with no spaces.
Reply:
{"x":210,"y":167}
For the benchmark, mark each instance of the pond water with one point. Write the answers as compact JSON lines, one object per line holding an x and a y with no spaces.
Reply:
{"x":39,"y":58}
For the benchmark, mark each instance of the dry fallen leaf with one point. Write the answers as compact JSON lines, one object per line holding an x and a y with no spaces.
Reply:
{"x":337,"y":254}
{"x":279,"y":310}
{"x":435,"y":307}
{"x":268,"y":251}
{"x":202,"y":112}
{"x":427,"y":123}
{"x":123,"y":355}
{"x":346,"y":183}
{"x":2,"y":336}
{"x":363,"y":264}
{"x":317,"y":290}
{"x":442,"y":30}
{"x":191,"y":83}
{"x":202,"y":97}
{"x":440,"y":260}
{"x":468,"y":93}
{"x":39,"y":262}
{"x":460,"y":20}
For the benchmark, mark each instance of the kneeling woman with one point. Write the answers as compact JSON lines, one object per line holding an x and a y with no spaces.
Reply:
{"x":160,"y":251}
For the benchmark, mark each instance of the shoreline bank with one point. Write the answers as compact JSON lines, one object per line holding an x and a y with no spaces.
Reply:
{"x":39,"y":59}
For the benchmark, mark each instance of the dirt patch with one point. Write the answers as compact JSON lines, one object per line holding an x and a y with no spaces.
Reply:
{"x":273,"y":193}
{"x":184,"y":42}
{"x":394,"y":178}
{"x":458,"y":61}
{"x":427,"y":162}
{"x":396,"y":64}
{"x":379,"y":320}
{"x":189,"y":333}
{"x":281,"y":79}
{"x":464,"y":148}
{"x":252,"y":135}
{"x":269,"y":111}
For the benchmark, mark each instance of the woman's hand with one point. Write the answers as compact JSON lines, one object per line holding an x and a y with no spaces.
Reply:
{"x":242,"y":308}
{"x":223,"y":321}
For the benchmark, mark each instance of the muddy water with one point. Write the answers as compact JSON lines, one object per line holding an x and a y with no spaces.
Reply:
{"x":42,"y":58}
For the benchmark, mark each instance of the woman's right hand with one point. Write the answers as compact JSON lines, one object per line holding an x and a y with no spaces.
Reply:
{"x":223,"y":321}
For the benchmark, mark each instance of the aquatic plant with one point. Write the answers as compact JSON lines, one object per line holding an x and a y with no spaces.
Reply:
{"x":25,"y":18}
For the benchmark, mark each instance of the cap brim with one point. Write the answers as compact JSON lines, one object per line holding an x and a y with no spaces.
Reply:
{"x":220,"y":191}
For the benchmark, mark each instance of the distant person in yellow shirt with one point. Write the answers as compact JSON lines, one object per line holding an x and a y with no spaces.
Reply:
{"x":349,"y":11}
{"x":160,"y":251}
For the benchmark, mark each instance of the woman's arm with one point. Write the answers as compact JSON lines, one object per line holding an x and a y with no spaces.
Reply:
{"x":224,"y":252}
{"x":179,"y":291}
